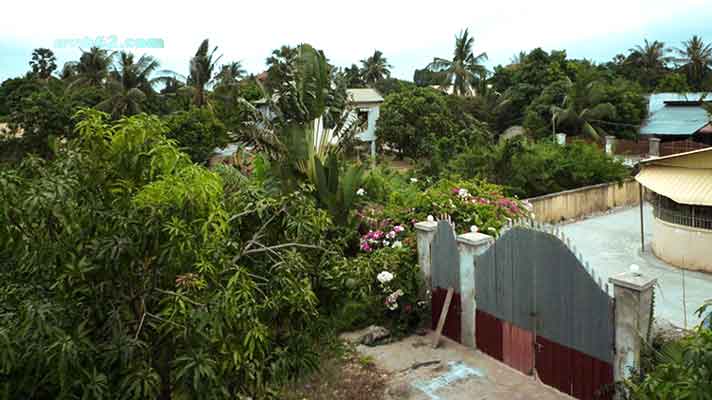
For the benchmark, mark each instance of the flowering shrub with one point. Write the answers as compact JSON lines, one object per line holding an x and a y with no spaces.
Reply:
{"x":379,"y":238}
{"x":469,"y":203}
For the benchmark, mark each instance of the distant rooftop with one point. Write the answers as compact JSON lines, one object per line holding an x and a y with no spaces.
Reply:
{"x":676,"y":114}
{"x":365,"y":95}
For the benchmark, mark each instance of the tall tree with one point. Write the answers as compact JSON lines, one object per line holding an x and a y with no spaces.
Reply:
{"x":93,"y":67}
{"x":583,"y":110}
{"x":375,"y":68}
{"x":353,"y":76}
{"x":651,"y":60}
{"x":464,"y":68}
{"x":230,"y":74}
{"x":696,"y":60}
{"x":202,"y":66}
{"x":43,"y":63}
{"x":129,"y":84}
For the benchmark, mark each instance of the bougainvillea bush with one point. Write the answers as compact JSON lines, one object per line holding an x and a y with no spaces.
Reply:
{"x":386,"y":268}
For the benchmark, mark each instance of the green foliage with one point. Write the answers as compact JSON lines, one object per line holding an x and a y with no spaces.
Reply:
{"x":683,"y":370}
{"x":412,"y":119}
{"x":674,"y":82}
{"x":336,"y":190}
{"x":130,"y":272}
{"x":198,"y":132}
{"x":532,"y":169}
{"x":43,"y":63}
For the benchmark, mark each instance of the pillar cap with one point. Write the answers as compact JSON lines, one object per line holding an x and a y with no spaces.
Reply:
{"x":633,"y":280}
{"x":427,"y":226}
{"x":474,"y":239}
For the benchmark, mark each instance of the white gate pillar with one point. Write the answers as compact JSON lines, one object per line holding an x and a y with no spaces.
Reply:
{"x":469,"y":246}
{"x":425,"y":233}
{"x":634,"y":301}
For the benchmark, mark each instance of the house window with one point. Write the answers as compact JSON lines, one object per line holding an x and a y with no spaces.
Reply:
{"x":694,"y":216}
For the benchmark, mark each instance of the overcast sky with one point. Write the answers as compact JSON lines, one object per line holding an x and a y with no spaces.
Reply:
{"x":409,"y":33}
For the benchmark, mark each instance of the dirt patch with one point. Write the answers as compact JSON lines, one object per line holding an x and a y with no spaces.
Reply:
{"x":347,"y":376}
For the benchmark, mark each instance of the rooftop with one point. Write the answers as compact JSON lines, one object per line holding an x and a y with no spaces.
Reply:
{"x":676,"y":114}
{"x":364,"y":95}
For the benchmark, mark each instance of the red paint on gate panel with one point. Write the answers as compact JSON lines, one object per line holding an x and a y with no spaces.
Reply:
{"x":488,"y":333}
{"x":517,"y":347}
{"x":453,"y":321}
{"x":573,"y":372}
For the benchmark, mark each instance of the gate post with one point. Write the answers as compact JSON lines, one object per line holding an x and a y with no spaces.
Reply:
{"x":469,"y":246}
{"x":425,"y":233}
{"x":633,"y":293}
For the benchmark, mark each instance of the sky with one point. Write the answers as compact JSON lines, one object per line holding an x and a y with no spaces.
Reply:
{"x":409,"y":33}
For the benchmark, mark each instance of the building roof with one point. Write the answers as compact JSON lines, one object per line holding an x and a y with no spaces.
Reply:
{"x":675,"y":114}
{"x":364,"y":95}
{"x":685,"y":178}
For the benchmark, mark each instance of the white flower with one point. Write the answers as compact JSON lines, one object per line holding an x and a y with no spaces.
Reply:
{"x":413,"y":180}
{"x":431,"y":218}
{"x":391,"y":235}
{"x":474,"y":228}
{"x":385,"y":277}
{"x":386,"y":243}
{"x":360,"y":192}
{"x":463,"y":193}
{"x":397,"y":244}
{"x":392,"y":306}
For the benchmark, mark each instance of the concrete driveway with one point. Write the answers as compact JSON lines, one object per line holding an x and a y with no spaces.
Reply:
{"x":451,"y":372}
{"x":611,"y":243}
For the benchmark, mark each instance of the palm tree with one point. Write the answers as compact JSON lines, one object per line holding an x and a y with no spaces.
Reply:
{"x":651,"y":58}
{"x":375,"y":68}
{"x":696,"y":60}
{"x":92,"y":68}
{"x":582,"y":110}
{"x":464,"y":68}
{"x":202,"y":66}
{"x":129,"y":83}
{"x":518,"y":59}
{"x":230,"y":74}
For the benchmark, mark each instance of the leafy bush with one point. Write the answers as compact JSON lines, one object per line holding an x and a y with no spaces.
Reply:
{"x":532,"y":169}
{"x":411,"y":119}
{"x":130,"y":272}
{"x":198,"y":132}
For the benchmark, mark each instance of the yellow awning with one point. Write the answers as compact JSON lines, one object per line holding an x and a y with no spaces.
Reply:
{"x":683,"y":185}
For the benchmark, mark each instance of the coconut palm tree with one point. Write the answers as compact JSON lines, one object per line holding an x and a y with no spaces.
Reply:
{"x":696,"y":59}
{"x":651,"y":58}
{"x":464,"y":68}
{"x":129,"y":83}
{"x":93,"y":67}
{"x":582,"y":110}
{"x":375,"y":68}
{"x":230,"y":74}
{"x":202,"y":66}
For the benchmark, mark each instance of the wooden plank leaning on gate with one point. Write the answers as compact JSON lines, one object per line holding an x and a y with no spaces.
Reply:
{"x":443,"y":316}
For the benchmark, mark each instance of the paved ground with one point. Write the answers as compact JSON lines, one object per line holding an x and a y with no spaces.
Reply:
{"x":459,"y":374}
{"x":611,"y":243}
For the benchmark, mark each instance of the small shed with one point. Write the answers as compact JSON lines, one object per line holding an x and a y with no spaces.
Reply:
{"x":366,"y":103}
{"x":681,"y":187}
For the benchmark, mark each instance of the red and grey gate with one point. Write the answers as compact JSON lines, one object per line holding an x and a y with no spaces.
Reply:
{"x":538,"y":309}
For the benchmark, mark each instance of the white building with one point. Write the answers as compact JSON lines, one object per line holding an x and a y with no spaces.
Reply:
{"x":367,"y":103}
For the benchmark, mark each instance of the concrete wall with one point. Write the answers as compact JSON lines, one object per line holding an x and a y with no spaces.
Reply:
{"x":577,"y":203}
{"x":682,"y":246}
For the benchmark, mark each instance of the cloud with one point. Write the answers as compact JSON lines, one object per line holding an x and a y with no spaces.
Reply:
{"x":409,"y":33}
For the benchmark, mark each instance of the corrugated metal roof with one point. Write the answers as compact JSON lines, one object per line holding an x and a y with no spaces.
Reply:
{"x":686,"y":177}
{"x":365,"y":95}
{"x":683,"y":185}
{"x":675,"y":119}
{"x":699,"y":159}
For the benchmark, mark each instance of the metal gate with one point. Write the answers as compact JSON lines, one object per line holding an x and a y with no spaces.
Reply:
{"x":540,"y":310}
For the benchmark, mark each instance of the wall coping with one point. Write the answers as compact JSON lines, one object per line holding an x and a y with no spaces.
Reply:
{"x":581,"y":189}
{"x":633,"y":280}
{"x":474,"y":239}
{"x":426,"y":226}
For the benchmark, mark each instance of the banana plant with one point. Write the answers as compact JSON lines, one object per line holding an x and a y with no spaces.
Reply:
{"x":336,"y":189}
